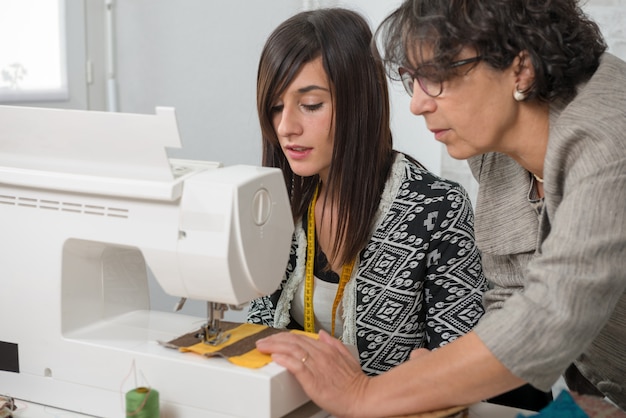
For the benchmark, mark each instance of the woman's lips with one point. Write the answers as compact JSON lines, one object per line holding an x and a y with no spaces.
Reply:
{"x":439,"y":133}
{"x":298,"y":153}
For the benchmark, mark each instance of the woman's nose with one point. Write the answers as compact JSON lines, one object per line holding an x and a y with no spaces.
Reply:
{"x":287,"y":124}
{"x":421,"y":102}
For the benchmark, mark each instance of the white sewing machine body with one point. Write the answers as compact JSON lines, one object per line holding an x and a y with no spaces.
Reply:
{"x":78,"y":234}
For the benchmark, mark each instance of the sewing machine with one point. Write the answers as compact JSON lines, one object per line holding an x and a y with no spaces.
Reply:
{"x":89,"y":204}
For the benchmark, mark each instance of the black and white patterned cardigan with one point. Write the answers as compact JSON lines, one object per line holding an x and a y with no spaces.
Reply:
{"x":417,"y":283}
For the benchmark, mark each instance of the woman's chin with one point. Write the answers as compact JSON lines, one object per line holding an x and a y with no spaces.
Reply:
{"x":460,"y":153}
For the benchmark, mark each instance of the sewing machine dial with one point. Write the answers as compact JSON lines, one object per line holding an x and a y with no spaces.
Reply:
{"x":262,"y":207}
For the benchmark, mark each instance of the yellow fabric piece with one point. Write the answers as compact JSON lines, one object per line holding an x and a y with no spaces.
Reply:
{"x":252,"y":359}
{"x":236,"y":334}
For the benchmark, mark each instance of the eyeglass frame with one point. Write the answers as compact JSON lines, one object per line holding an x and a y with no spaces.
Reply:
{"x":407,"y":77}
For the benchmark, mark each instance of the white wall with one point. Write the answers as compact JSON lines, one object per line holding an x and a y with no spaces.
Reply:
{"x":201,"y":57}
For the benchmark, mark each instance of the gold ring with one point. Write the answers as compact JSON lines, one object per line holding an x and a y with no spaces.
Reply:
{"x":305,"y":358}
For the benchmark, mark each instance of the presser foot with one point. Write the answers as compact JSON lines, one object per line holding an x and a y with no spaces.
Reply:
{"x":213,"y":337}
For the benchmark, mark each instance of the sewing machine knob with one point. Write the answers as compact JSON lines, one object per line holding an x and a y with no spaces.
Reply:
{"x":261,"y":207}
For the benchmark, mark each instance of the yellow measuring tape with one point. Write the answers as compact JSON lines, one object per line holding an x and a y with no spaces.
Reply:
{"x":346,"y":272}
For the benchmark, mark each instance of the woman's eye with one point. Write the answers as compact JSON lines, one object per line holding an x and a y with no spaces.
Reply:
{"x":430,"y":73}
{"x":313,"y":107}
{"x":430,"y":76}
{"x":276,"y":108}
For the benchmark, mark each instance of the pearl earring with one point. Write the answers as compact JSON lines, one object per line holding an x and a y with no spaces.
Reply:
{"x":518,"y":95}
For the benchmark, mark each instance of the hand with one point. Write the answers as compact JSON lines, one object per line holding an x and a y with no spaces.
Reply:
{"x":327,"y":371}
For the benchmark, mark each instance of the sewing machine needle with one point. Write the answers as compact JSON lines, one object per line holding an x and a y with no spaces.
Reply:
{"x":180,"y":304}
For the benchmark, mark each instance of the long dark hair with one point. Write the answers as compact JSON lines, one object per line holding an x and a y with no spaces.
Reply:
{"x":564,"y":45}
{"x":362,"y":154}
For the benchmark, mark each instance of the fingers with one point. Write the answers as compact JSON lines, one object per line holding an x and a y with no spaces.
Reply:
{"x":300,"y":353}
{"x":325,"y":337}
{"x":332,"y":341}
{"x":325,"y":368}
{"x":300,"y":346}
{"x":291,"y":363}
{"x":289,"y":350}
{"x":284,"y":343}
{"x":419,"y":352}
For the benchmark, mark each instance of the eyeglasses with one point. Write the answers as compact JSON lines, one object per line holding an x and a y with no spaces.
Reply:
{"x":429,"y":77}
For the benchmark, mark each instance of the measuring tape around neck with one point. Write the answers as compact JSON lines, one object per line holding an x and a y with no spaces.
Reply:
{"x":346,"y":272}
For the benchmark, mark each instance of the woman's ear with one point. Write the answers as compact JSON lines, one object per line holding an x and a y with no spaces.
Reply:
{"x":524,"y":72}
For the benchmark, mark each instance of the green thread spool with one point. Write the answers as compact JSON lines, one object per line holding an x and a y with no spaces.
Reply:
{"x":142,"y":402}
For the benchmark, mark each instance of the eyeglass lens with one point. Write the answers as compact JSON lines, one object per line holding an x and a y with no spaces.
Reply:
{"x":428,"y":85}
{"x":431,"y":88}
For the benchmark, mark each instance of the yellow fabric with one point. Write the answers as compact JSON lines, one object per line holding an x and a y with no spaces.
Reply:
{"x":252,"y":359}
{"x":236,"y":334}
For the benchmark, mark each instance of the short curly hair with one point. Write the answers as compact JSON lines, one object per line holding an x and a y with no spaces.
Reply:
{"x":563,"y":44}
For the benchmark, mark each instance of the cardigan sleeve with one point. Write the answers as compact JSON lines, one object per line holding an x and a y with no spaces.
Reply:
{"x":454,"y":282}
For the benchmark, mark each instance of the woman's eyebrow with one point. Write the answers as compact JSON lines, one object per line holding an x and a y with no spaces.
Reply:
{"x":312,"y":87}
